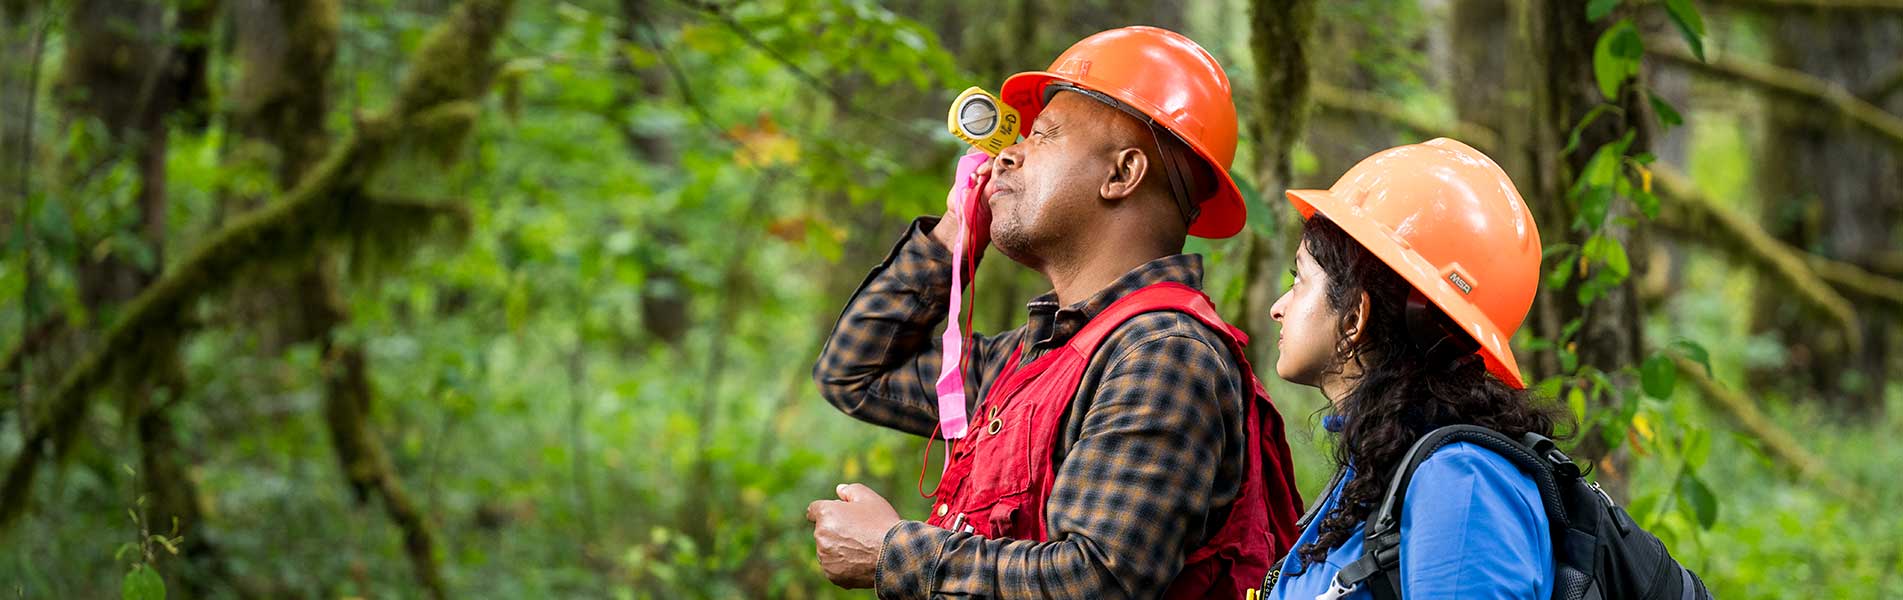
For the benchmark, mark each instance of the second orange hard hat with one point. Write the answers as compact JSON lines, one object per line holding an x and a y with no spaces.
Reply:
{"x":1448,"y":219}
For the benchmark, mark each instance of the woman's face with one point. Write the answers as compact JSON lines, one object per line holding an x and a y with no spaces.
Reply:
{"x":1309,"y":325}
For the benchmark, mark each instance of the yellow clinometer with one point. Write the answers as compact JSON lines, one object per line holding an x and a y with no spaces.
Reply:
{"x":983,"y":121}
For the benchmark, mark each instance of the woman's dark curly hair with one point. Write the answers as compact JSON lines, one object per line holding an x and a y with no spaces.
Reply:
{"x":1404,"y":389}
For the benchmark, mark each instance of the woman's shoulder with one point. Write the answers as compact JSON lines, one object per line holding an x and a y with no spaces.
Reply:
{"x":1467,"y":475}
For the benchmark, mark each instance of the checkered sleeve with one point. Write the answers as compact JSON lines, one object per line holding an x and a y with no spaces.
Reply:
{"x":1133,"y":489}
{"x":880,"y":364}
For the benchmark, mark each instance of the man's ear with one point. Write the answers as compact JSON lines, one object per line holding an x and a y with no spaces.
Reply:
{"x":1127,"y":168}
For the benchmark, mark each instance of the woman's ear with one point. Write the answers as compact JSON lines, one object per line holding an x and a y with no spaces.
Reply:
{"x":1127,"y":167}
{"x":1358,"y":323}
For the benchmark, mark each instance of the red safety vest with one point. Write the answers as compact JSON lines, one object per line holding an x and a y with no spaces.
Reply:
{"x":1000,"y":476}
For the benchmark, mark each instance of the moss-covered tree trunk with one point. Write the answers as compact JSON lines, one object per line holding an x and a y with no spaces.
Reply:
{"x":1564,"y":90}
{"x":288,"y":49}
{"x":1279,"y":37}
{"x":127,"y":71}
{"x":434,"y":109}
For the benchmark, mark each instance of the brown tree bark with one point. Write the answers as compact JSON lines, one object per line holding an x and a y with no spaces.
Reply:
{"x":1563,"y":90}
{"x":665,"y":303}
{"x":127,"y":70}
{"x":288,"y":49}
{"x":1280,"y":35}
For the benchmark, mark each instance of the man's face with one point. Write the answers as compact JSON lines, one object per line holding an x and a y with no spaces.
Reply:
{"x":1044,"y":190}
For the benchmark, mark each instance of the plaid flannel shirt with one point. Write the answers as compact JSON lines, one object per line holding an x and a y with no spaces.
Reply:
{"x":1149,"y":459}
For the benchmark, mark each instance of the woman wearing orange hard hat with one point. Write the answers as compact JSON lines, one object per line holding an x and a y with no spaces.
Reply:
{"x":1414,"y":271}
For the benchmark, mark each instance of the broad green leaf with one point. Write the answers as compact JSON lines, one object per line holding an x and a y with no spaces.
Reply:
{"x":1593,"y":207}
{"x":1668,"y":115}
{"x":1658,"y":376}
{"x":1598,"y":9}
{"x":142,"y":583}
{"x":1696,"y":353}
{"x":1572,"y":137}
{"x":1697,"y":447}
{"x":1689,"y":23}
{"x":1609,"y":252}
{"x":1647,"y":202}
{"x":1696,"y":498}
{"x":1615,"y":57}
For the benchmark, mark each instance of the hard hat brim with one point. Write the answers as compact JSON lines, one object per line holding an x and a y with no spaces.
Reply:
{"x":1423,"y":275}
{"x":1223,"y":214}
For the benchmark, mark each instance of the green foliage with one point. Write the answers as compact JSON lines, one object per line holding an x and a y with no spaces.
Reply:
{"x":732,"y":184}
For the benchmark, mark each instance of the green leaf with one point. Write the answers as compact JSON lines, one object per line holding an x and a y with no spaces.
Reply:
{"x":1598,"y":9}
{"x":1572,"y":138}
{"x":1592,"y":208}
{"x":1695,"y":353}
{"x":1615,"y":57}
{"x":1696,"y":498}
{"x":1576,"y":400}
{"x":1609,"y":252}
{"x":1689,"y":23}
{"x":1658,"y":376}
{"x":1648,"y":203}
{"x":142,"y":583}
{"x":1571,"y":327}
{"x":1667,"y":115}
{"x":1696,"y":447}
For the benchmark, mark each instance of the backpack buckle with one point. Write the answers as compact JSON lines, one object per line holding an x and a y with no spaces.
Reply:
{"x":1336,"y":590}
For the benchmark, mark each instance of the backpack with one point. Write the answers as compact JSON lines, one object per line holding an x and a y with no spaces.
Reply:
{"x":1599,"y":551}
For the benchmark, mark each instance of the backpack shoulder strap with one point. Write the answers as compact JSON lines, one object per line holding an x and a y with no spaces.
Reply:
{"x":1379,"y":565}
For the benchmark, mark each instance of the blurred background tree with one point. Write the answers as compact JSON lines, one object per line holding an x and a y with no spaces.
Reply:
{"x":479,"y":298}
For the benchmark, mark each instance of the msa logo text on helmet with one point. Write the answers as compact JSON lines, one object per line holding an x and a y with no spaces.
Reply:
{"x":1460,"y":282}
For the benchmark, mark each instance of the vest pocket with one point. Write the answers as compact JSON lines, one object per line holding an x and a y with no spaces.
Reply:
{"x":997,"y":468}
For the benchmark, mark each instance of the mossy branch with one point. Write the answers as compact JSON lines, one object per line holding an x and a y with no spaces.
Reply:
{"x":1352,"y":102}
{"x":1814,"y":280}
{"x":1778,"y":443}
{"x":452,"y":66}
{"x":1880,"y":6}
{"x":1790,"y":84}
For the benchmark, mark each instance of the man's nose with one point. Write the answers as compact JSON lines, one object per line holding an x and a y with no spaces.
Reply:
{"x":1011,"y":157}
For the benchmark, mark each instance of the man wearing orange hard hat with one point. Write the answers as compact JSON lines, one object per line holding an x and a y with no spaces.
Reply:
{"x":1119,"y":444}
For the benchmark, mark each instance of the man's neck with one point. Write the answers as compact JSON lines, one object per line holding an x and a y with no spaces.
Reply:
{"x":1095,"y":269}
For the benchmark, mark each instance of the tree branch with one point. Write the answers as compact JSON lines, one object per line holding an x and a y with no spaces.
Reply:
{"x":1854,"y":279}
{"x":1791,"y":84}
{"x":1779,"y":444}
{"x":1813,"y":5}
{"x":1816,"y":280}
{"x":1686,"y":210}
{"x":452,"y":65}
{"x":1890,"y":82}
{"x":839,"y":98}
{"x":1353,"y":102}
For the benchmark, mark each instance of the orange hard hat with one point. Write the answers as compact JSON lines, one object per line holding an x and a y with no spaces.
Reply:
{"x":1447,"y":219}
{"x":1169,"y":78}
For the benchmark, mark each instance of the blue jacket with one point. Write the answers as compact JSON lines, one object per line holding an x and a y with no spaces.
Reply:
{"x":1472,"y":527}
